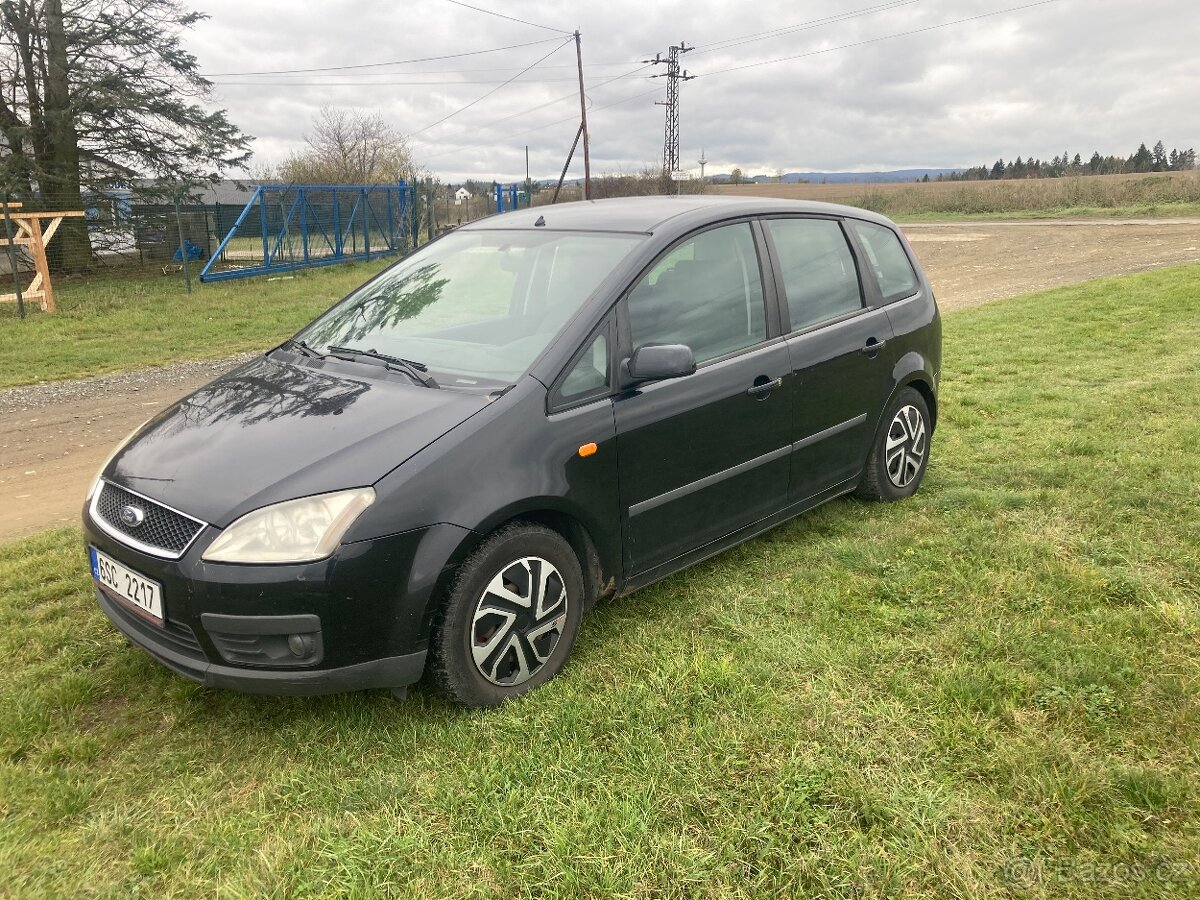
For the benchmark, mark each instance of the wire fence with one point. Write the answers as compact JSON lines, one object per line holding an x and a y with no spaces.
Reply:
{"x":122,"y":233}
{"x":234,"y":230}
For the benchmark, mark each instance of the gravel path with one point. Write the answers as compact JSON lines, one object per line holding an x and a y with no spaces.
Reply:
{"x":49,"y":393}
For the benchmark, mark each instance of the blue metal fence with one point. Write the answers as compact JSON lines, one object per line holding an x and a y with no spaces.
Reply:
{"x":287,"y":227}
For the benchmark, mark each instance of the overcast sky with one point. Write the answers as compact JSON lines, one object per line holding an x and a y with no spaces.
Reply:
{"x":1079,"y":75}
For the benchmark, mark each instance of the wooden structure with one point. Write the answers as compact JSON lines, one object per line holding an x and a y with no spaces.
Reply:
{"x":29,"y":233}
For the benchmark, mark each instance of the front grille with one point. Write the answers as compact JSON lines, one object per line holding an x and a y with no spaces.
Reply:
{"x":162,"y":528}
{"x":171,"y":635}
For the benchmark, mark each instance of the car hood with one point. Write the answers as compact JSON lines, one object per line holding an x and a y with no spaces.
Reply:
{"x":272,"y":431}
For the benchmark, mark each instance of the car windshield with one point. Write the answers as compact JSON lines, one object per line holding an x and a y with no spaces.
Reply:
{"x":476,"y":307}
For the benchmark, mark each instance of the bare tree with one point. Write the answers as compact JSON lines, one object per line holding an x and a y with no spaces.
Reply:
{"x":348,"y":146}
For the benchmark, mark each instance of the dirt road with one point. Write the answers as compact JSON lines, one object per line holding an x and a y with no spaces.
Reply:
{"x":54,"y":436}
{"x":972,"y":263}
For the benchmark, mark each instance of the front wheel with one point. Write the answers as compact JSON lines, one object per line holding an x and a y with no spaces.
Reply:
{"x":511,"y":617}
{"x":900,"y":456}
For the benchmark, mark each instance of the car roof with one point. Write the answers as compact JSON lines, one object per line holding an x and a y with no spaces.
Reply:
{"x":652,"y":214}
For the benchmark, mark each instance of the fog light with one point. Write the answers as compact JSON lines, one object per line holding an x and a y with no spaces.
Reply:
{"x":300,"y":644}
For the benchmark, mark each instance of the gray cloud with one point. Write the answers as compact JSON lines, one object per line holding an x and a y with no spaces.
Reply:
{"x":1079,"y":75}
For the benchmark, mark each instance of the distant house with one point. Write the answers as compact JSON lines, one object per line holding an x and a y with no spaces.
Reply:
{"x":461,"y":195}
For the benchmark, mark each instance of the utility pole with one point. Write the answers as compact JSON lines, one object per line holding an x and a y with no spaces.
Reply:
{"x":528,"y":183}
{"x":587,"y":159}
{"x":673,"y":76}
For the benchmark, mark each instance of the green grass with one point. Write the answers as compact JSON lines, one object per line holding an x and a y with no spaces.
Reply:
{"x":1144,"y":211}
{"x":117,"y":322}
{"x":990,"y":690}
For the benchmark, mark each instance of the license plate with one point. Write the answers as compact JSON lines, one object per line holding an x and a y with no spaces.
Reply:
{"x":138,"y":591}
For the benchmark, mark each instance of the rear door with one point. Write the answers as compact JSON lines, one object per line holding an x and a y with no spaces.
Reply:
{"x":704,"y":455}
{"x":838,"y":344}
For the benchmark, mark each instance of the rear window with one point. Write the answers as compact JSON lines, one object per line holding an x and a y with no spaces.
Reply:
{"x":888,"y":260}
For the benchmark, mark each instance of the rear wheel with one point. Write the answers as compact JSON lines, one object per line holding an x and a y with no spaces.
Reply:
{"x":900,"y":456}
{"x":511,"y":617}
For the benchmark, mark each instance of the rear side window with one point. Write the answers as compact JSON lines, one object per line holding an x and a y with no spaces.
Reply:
{"x":888,"y":260}
{"x":705,"y":293}
{"x":819,"y":275}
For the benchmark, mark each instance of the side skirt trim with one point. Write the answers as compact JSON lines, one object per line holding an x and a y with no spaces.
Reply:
{"x":708,"y":481}
{"x":744,"y":533}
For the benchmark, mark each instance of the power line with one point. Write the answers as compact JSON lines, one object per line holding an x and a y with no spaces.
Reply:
{"x":532,"y":109}
{"x":503,"y":16}
{"x":875,"y":40}
{"x":492,"y":91}
{"x":745,"y":66}
{"x":395,"y":62}
{"x":368,"y":84}
{"x":706,"y":48}
{"x":547,"y":125}
{"x":406,"y":62}
{"x":801,"y":26}
{"x":497,"y":69}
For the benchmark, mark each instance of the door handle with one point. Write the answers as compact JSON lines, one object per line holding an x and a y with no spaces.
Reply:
{"x":761,"y":390}
{"x":873,"y":346}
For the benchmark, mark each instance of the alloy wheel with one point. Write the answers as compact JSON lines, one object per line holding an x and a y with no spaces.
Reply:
{"x":904,"y":452}
{"x":518,"y":621}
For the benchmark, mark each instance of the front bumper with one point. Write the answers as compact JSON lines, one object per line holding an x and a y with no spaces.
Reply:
{"x":388,"y":672}
{"x":365,"y":613}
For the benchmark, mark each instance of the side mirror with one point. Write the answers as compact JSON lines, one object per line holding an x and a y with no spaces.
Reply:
{"x":654,"y":362}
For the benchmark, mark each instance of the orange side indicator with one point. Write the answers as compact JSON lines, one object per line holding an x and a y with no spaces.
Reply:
{"x":588,"y":449}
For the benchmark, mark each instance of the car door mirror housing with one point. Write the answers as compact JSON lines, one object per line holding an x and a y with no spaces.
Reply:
{"x":655,"y":362}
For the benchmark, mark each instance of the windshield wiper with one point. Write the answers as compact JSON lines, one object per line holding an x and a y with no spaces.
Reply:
{"x":302,"y":348}
{"x":412,"y":369}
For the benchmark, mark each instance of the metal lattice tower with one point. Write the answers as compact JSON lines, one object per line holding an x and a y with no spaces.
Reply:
{"x":673,"y":76}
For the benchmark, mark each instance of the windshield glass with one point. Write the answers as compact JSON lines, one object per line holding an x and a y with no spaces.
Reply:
{"x":476,"y":307}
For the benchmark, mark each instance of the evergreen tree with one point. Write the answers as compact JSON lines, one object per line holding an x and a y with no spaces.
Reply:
{"x":1142,"y":159}
{"x":1159,"y":157}
{"x":998,"y":169}
{"x":96,"y":93}
{"x":1096,"y":163}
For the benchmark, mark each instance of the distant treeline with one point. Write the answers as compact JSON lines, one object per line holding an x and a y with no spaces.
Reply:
{"x":1141,"y":160}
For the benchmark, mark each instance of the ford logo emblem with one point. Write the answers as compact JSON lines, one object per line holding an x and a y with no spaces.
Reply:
{"x":132,"y":516}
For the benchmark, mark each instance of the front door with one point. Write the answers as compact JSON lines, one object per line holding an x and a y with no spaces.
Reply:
{"x":704,"y":455}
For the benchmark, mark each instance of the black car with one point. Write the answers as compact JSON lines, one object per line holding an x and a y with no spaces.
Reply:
{"x":445,"y":470}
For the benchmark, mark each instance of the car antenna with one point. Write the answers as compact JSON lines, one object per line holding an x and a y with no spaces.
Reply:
{"x":540,"y":223}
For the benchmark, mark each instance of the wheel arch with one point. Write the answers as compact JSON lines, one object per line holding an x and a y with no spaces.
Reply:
{"x":913,"y":370}
{"x":600,"y":575}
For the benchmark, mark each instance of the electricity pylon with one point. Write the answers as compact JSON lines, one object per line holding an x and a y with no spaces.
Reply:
{"x":673,"y":76}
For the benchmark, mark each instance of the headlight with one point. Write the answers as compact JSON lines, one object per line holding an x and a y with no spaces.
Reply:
{"x":292,"y":532}
{"x":104,"y":465}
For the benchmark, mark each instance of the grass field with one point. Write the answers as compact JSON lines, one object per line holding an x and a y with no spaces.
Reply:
{"x":117,"y":322}
{"x":989,"y":690}
{"x":1129,"y":196}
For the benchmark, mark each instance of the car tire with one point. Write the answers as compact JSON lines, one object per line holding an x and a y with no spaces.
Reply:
{"x":900,"y":455}
{"x":510,"y":618}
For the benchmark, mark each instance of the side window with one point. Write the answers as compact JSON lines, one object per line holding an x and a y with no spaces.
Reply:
{"x":888,"y":259}
{"x":588,"y":375}
{"x":819,"y":274}
{"x":706,"y":293}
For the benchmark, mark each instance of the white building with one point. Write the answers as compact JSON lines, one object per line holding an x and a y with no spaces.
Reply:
{"x":461,"y":195}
